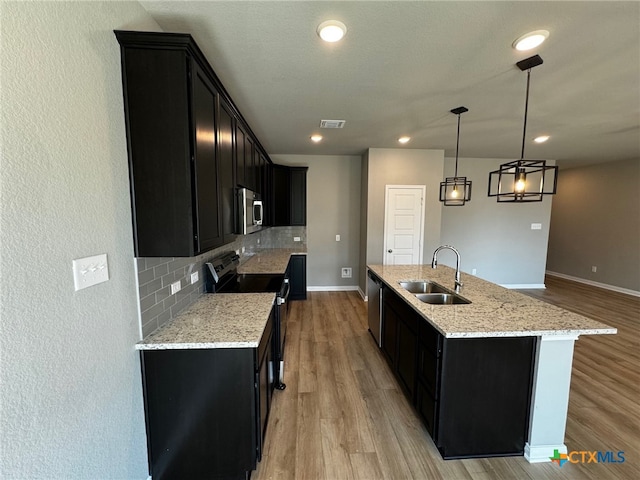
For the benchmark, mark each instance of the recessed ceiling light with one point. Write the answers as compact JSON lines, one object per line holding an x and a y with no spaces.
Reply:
{"x":332,"y":30}
{"x":530,"y":40}
{"x":404,"y":139}
{"x":316,"y":138}
{"x":541,"y":139}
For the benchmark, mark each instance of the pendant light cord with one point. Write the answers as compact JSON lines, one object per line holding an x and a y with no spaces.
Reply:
{"x":526,"y":110}
{"x":457,"y":145}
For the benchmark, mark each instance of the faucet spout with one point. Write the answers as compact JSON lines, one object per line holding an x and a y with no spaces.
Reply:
{"x":434,"y":263}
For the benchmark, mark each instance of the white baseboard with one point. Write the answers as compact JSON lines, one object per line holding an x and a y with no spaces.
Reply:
{"x":362,"y":294}
{"x":333,"y":288}
{"x":522,"y":286}
{"x":594,"y":284}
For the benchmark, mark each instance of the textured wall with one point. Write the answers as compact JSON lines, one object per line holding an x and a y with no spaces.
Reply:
{"x":71,"y":400}
{"x":595,"y":221}
{"x":333,"y":208}
{"x":495,"y":238}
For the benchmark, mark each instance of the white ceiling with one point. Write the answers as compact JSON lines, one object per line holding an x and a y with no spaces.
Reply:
{"x":404,"y":65}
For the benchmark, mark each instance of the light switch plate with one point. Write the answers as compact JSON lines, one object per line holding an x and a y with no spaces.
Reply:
{"x":337,"y":238}
{"x":175,"y":287}
{"x":194,"y":277}
{"x":90,"y":271}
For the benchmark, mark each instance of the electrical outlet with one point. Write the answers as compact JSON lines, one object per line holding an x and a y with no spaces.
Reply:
{"x":536,"y":226}
{"x":594,"y":269}
{"x":346,"y":272}
{"x":473,"y":271}
{"x":90,"y":271}
{"x":296,"y":239}
{"x":175,"y":287}
{"x":194,"y":277}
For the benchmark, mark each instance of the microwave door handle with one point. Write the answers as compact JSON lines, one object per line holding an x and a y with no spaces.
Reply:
{"x":259,"y":221}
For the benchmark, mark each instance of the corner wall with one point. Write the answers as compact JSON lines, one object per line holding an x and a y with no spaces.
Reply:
{"x":495,"y":238}
{"x":595,"y":221}
{"x":397,"y":166}
{"x":71,"y":396}
{"x":333,"y":208}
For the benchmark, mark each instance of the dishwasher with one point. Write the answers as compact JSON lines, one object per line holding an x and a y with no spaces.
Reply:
{"x":374,"y":295}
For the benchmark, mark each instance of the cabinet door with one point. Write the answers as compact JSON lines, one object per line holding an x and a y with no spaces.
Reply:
{"x":249,"y":168}
{"x":199,"y":408}
{"x":226,"y":180}
{"x":407,"y":349}
{"x":240,"y":155}
{"x":298,"y":197}
{"x":205,"y":163}
{"x":281,"y":195}
{"x":389,"y":332}
{"x":298,"y":277}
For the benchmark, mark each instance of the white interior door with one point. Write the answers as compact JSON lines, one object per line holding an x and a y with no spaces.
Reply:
{"x":403,"y":224}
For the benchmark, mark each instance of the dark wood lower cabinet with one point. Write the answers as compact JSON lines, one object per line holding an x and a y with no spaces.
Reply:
{"x":207,"y":409}
{"x":298,"y":277}
{"x":473,"y":394}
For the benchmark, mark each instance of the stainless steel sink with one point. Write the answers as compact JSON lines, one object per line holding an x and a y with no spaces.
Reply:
{"x":423,"y":287}
{"x":442,"y":299}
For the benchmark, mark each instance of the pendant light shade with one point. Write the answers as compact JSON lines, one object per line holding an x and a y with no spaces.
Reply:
{"x":456,"y":191}
{"x":524,"y":180}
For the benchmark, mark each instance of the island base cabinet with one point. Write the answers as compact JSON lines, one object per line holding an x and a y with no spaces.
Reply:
{"x":484,"y":396}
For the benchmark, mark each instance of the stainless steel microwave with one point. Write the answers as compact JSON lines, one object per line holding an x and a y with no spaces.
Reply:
{"x":249,"y":211}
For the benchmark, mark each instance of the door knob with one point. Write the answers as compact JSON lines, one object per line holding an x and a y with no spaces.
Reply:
{"x":390,"y":251}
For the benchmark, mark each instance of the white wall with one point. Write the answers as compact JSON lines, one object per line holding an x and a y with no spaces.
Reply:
{"x":495,"y":238}
{"x":333,"y":208}
{"x":71,"y":390}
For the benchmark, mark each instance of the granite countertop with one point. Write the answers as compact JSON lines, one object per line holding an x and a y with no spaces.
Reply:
{"x":494,"y":312}
{"x":221,"y":320}
{"x":269,"y":261}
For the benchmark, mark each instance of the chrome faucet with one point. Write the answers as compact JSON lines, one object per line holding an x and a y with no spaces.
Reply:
{"x":434,"y":263}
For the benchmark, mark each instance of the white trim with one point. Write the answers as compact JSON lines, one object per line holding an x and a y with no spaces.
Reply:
{"x":524,"y":286}
{"x":542,"y":453}
{"x":423,"y":207}
{"x":334,"y":288}
{"x":628,"y":291}
{"x":362,"y":294}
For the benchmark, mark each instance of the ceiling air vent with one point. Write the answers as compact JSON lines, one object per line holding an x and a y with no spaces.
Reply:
{"x":332,"y":123}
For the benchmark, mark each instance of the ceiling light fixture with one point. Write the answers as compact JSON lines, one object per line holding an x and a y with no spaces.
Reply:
{"x":332,"y":30}
{"x":316,"y":138}
{"x":524,"y":180}
{"x":404,"y":139}
{"x":456,"y":191}
{"x":530,"y":40}
{"x":541,"y":139}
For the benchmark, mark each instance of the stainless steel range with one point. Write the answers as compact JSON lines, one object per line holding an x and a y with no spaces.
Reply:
{"x":223,"y":277}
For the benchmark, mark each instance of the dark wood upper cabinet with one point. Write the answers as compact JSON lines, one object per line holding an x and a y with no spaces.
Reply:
{"x":298,"y":195}
{"x":188,"y":147}
{"x":241,"y":146}
{"x":289,"y":201}
{"x":226,"y":171}
{"x":205,"y":162}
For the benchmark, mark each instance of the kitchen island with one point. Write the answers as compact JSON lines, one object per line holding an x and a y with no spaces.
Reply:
{"x":502,"y":347}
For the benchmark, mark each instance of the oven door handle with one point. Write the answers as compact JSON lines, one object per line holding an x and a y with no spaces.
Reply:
{"x":282,"y":298}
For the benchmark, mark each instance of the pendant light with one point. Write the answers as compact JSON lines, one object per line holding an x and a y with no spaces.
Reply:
{"x":523,"y":180}
{"x":456,"y":191}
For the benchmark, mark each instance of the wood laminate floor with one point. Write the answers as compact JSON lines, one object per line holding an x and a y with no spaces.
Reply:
{"x":343,"y":415}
